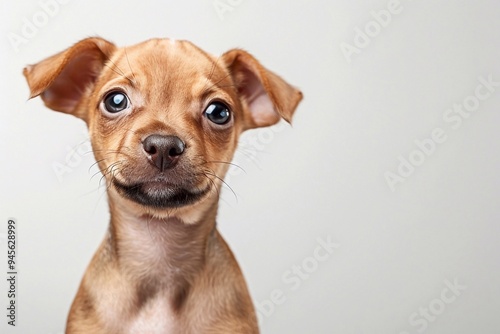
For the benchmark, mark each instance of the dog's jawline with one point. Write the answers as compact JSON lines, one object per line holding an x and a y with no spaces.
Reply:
{"x":181,"y":197}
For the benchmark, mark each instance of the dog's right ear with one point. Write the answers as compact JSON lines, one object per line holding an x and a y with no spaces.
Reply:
{"x":266,"y":96}
{"x":63,"y":79}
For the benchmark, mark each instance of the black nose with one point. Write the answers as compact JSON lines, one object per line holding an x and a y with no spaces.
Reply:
{"x":164,"y":151}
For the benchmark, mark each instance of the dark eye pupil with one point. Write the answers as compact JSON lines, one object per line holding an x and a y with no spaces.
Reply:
{"x":115,"y":102}
{"x":218,"y":113}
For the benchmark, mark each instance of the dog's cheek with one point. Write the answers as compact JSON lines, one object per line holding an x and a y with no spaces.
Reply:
{"x":220,"y":147}
{"x":105,"y":137}
{"x":97,"y":150}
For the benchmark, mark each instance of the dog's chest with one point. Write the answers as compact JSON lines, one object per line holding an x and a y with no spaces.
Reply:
{"x":156,"y":317}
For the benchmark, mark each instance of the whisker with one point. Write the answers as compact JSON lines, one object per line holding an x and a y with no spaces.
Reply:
{"x":95,"y":163}
{"x":108,"y":170}
{"x":114,"y":70}
{"x":109,"y":151}
{"x":227,"y":163}
{"x":105,"y":191}
{"x":96,"y":173}
{"x":120,"y":73}
{"x":130,"y":67}
{"x":212,"y":70}
{"x":213,"y":184}
{"x":251,"y":157}
{"x":227,"y":86}
{"x":103,"y":159}
{"x":212,"y":173}
{"x":217,"y":82}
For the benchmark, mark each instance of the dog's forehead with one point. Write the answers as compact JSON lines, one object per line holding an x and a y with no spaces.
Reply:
{"x":164,"y":74}
{"x":167,"y":56}
{"x":164,"y":65}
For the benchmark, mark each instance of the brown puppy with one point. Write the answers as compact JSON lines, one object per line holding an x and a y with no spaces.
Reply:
{"x":164,"y":119}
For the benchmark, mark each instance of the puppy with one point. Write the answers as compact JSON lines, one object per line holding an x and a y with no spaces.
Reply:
{"x":164,"y":119}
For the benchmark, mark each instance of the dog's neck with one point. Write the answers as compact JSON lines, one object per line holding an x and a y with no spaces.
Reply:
{"x":159,"y":251}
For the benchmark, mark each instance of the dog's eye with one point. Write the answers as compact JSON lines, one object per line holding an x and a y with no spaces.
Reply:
{"x":115,"y":102}
{"x":218,"y":113}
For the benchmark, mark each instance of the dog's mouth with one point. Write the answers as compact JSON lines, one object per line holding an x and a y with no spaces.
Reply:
{"x":160,"y":194}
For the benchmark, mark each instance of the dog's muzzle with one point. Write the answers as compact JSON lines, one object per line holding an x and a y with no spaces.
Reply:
{"x":169,"y":182}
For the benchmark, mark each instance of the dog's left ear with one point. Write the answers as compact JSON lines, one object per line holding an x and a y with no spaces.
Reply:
{"x":63,"y":79}
{"x":265,"y":96}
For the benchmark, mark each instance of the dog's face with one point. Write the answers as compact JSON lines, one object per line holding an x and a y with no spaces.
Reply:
{"x":164,"y":116}
{"x":164,"y":124}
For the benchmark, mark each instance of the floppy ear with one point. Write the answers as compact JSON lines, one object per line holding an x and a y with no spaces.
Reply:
{"x":266,"y":97}
{"x":63,"y":79}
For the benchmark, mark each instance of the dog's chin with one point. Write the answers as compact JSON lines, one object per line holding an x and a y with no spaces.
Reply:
{"x":160,"y":195}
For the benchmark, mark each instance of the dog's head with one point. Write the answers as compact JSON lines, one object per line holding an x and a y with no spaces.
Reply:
{"x":164,"y":116}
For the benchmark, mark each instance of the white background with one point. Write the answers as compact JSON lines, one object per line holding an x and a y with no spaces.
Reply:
{"x":324,"y":177}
